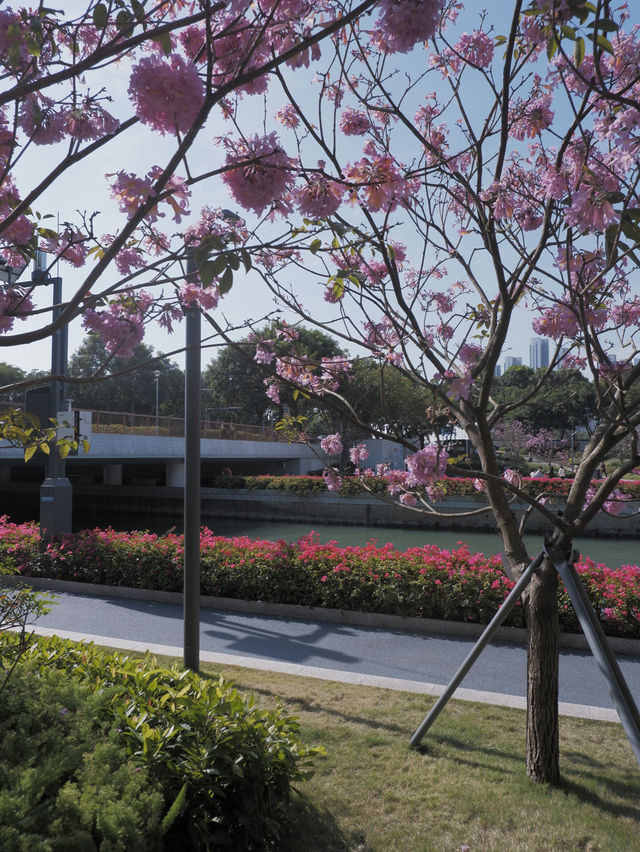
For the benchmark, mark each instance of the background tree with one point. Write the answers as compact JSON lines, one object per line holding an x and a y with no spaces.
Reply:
{"x":9,"y":376}
{"x":569,"y":399}
{"x":130,"y":385}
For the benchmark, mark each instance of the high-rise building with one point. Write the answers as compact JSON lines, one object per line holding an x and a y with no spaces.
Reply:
{"x":512,"y":361}
{"x":538,"y":352}
{"x":498,"y":370}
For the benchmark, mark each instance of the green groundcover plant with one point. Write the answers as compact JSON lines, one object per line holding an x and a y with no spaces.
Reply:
{"x":426,"y":582}
{"x":108,"y":752}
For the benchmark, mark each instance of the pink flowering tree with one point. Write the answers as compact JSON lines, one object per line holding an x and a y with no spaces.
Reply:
{"x":445,"y":195}
{"x":417,"y":178}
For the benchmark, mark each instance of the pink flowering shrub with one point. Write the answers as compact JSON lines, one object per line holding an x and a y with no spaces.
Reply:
{"x":426,"y":582}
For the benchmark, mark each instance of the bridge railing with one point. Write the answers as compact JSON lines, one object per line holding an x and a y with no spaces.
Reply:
{"x":123,"y":423}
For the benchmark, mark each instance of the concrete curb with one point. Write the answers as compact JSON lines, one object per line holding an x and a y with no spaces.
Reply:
{"x":400,"y":623}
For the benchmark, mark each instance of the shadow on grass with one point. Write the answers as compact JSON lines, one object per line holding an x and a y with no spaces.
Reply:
{"x":316,"y":830}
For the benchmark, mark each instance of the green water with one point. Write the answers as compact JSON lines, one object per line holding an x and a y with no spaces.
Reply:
{"x":614,"y":552}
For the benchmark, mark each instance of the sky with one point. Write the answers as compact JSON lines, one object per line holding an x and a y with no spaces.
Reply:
{"x":85,"y":189}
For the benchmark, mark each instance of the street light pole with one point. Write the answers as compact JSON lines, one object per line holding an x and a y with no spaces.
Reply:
{"x":55,"y":492}
{"x":156,"y":379}
{"x":192,"y":479}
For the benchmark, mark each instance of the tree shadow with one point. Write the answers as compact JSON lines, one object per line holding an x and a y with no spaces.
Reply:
{"x":316,"y":830}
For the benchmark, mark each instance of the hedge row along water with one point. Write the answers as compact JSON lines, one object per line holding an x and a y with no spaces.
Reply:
{"x":423,"y":581}
{"x":451,"y":486}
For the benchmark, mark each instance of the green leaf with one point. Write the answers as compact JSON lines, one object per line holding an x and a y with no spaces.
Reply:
{"x":578,"y":52}
{"x":226,"y":282}
{"x":246,"y":260}
{"x":552,"y":46}
{"x":29,"y":451}
{"x":100,"y":16}
{"x":606,"y":25}
{"x":315,"y":246}
{"x":568,"y":32}
{"x":604,"y":44}
{"x":211,"y":269}
{"x":164,"y":40}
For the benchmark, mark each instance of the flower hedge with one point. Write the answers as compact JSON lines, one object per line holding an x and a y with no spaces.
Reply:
{"x":451,"y":486}
{"x":426,"y":582}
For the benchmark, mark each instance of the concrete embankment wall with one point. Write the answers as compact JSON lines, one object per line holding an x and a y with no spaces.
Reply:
{"x":455,"y":512}
{"x":102,"y":505}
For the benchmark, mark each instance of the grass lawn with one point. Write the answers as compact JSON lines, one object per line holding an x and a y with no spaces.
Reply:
{"x":466,"y":788}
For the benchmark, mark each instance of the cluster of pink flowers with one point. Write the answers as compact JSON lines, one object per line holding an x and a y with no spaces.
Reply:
{"x":404,"y":23}
{"x":15,"y":302}
{"x":167,"y":94}
{"x":319,"y":197}
{"x":332,"y":444}
{"x":377,"y":183}
{"x":260,"y":172}
{"x":426,"y":466}
{"x":354,"y":122}
{"x":121,"y":325}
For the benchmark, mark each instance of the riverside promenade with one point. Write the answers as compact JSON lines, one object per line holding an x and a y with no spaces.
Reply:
{"x":381,"y":656}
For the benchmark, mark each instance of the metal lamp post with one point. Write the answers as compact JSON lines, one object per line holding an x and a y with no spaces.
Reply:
{"x":156,"y":379}
{"x":55,"y":491}
{"x":192,"y":480}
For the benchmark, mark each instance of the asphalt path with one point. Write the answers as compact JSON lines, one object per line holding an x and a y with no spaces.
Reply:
{"x":379,"y":657}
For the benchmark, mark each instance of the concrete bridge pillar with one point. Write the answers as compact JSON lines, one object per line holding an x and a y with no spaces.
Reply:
{"x":175,"y":474}
{"x":112,"y":474}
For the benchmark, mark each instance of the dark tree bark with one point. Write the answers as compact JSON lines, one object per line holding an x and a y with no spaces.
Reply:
{"x":543,"y":750}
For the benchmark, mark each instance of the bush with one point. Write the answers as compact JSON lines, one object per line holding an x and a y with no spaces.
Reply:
{"x":225,"y":767}
{"x":64,"y":781}
{"x":426,"y":581}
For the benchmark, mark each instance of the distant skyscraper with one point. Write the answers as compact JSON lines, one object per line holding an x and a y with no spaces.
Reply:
{"x":511,"y":361}
{"x":498,"y":370}
{"x":538,"y":352}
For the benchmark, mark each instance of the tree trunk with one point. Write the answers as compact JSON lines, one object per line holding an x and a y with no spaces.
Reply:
{"x":543,"y":750}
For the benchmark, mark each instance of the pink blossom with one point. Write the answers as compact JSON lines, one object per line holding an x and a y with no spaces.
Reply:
{"x":273,"y":390}
{"x":511,"y":476}
{"x":120,"y":326}
{"x":358,"y":453}
{"x":320,"y":197}
{"x":332,"y":444}
{"x":426,"y":466}
{"x":408,"y":499}
{"x":354,"y":122}
{"x":288,"y":116}
{"x":479,"y":484}
{"x":477,"y":48}
{"x":332,"y":480}
{"x":15,"y":302}
{"x":379,"y":181}
{"x":128,"y":258}
{"x":529,"y":118}
{"x":589,"y":210}
{"x":261,"y":172}
{"x":40,"y":121}
{"x":193,"y":293}
{"x":264,"y":352}
{"x":404,"y":23}
{"x":89,"y":121}
{"x":68,"y":246}
{"x":166,"y":93}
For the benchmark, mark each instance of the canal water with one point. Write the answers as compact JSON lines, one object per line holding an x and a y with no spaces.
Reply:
{"x":614,"y":552}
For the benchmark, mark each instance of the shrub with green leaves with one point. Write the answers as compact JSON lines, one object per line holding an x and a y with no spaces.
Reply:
{"x":226,"y":768}
{"x":65,"y":783}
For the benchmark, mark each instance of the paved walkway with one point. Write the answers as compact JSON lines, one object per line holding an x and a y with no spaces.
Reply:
{"x":386,"y":658}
